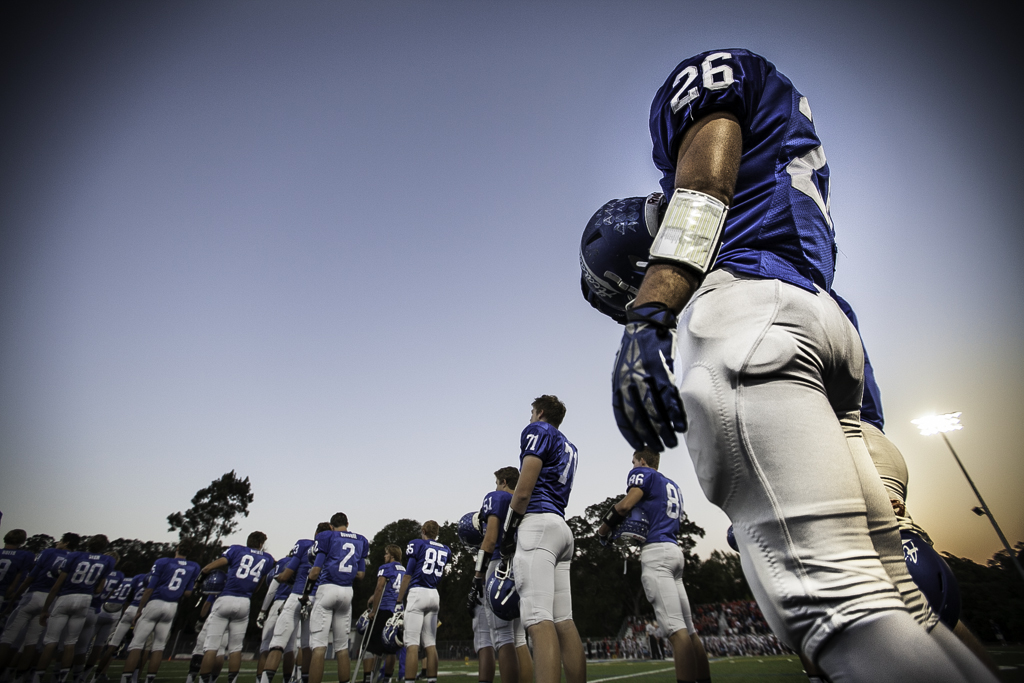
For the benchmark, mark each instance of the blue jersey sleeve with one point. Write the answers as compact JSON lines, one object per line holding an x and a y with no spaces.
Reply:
{"x":321,"y":546}
{"x":412,"y":560}
{"x":536,"y":441}
{"x":640,"y":478}
{"x":723,"y":80}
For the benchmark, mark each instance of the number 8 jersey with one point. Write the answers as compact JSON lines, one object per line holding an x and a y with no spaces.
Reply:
{"x":778,"y":225}
{"x":662,"y":503}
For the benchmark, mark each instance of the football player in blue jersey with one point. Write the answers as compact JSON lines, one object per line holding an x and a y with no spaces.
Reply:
{"x":290,"y":626}
{"x":509,"y":637}
{"x":542,"y":543}
{"x":27,"y":601}
{"x":277,"y":593}
{"x":84,"y":573}
{"x":382,"y":607}
{"x":340,"y":560}
{"x":171,"y":579}
{"x":771,"y":375}
{"x":425,"y":560}
{"x":661,"y":559}
{"x":128,"y":596}
{"x":98,"y":624}
{"x":245,"y":565}
{"x":15,"y":564}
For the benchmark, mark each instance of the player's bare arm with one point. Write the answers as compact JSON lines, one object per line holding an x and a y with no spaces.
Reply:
{"x":378,"y":592}
{"x":403,"y":590}
{"x":528,"y":475}
{"x":215,"y":565}
{"x":708,"y":162}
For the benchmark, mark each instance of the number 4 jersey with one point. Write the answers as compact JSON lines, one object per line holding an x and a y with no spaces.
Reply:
{"x":662,"y":503}
{"x":246,"y":566}
{"x":778,"y":224}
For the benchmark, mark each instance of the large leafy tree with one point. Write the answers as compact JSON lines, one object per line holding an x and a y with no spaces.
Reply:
{"x":137,"y":557}
{"x":213,"y":514}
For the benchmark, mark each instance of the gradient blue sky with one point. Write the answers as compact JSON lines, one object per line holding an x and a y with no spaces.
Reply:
{"x":333,"y":246}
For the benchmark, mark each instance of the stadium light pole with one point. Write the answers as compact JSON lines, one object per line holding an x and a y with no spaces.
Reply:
{"x":950,"y":422}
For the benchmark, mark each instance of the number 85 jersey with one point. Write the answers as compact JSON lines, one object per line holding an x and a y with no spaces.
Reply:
{"x":778,"y":225}
{"x":426,"y":562}
{"x":662,"y":503}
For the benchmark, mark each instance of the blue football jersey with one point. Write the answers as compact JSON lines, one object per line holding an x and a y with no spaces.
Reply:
{"x":139,"y":584}
{"x":171,"y":577}
{"x":340,"y":555}
{"x":126,"y":588}
{"x":47,"y":568}
{"x":496,"y":503}
{"x":393,"y":572}
{"x":425,"y":562}
{"x":84,"y":571}
{"x":558,"y":458}
{"x":299,"y":561}
{"x":662,"y":503}
{"x":114,"y":579}
{"x":283,"y":589}
{"x":778,"y":225}
{"x":14,"y":561}
{"x":871,"y":403}
{"x":246,"y":567}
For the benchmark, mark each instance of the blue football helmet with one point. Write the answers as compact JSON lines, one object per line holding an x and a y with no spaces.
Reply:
{"x":214,"y":583}
{"x":472,"y":530}
{"x":614,"y":251}
{"x":634,"y":528}
{"x":363,"y":622}
{"x":730,"y":538}
{"x":502,"y":594}
{"x":394,"y":631}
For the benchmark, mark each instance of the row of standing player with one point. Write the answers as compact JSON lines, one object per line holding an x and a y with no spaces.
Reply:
{"x":736,"y":267}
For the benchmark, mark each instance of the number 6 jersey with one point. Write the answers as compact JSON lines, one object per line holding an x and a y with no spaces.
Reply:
{"x":778,"y":224}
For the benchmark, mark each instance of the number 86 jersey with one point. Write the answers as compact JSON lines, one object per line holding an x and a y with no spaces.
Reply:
{"x":778,"y":224}
{"x":662,"y":503}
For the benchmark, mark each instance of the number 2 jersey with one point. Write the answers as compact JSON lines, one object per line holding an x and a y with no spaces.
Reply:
{"x":426,"y":562}
{"x":558,"y":467}
{"x":340,"y":555}
{"x":778,"y":225}
{"x":246,"y":566}
{"x":662,"y":503}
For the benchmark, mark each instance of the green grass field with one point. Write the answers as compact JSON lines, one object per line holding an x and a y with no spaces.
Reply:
{"x":733,"y":669}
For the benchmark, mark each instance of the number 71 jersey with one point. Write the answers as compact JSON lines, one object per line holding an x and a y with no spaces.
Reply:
{"x":662,"y":503}
{"x":778,"y":224}
{"x":558,"y":467}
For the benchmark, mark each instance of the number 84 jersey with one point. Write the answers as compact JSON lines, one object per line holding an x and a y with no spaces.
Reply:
{"x":778,"y":224}
{"x":662,"y":503}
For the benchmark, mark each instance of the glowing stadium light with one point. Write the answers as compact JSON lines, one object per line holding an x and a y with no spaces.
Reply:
{"x":950,"y":422}
{"x":936,"y":424}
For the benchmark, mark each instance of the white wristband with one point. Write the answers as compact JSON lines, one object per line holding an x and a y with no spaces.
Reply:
{"x":691,"y":231}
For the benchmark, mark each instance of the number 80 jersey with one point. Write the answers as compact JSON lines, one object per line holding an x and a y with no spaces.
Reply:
{"x":662,"y":503}
{"x":778,"y":225}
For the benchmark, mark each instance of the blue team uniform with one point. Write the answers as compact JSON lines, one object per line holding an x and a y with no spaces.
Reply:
{"x":559,"y":457}
{"x":425,"y":562}
{"x":283,"y":589}
{"x":14,"y":562}
{"x":171,"y":577}
{"x":139,"y":584}
{"x":300,"y":562}
{"x":778,"y":224}
{"x":340,"y":555}
{"x":246,"y":567}
{"x":85,"y":570}
{"x":496,"y":503}
{"x":114,"y":580}
{"x":393,"y":572}
{"x":662,"y":503}
{"x":47,"y":568}
{"x":125,"y":589}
